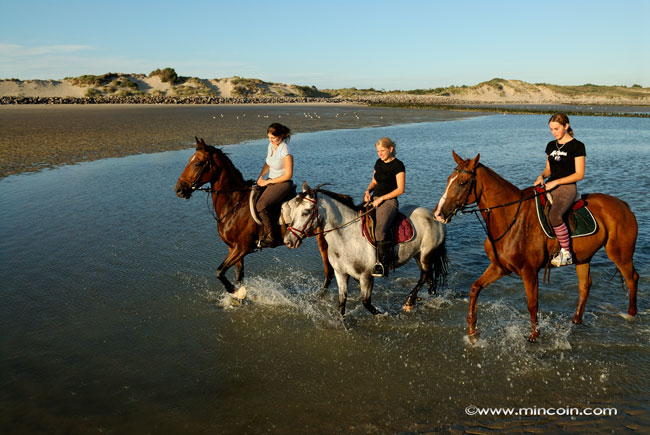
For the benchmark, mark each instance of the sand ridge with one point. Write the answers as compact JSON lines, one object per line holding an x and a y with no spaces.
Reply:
{"x":496,"y":91}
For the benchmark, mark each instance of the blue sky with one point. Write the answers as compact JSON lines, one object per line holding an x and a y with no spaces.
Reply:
{"x":405,"y":44}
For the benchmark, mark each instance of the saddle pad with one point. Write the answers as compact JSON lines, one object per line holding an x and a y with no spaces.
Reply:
{"x":402,"y":229}
{"x":585,"y":223}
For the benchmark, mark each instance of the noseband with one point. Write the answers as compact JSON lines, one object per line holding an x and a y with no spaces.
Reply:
{"x":306,"y":230}
{"x":469,"y":191}
{"x":195,"y":183}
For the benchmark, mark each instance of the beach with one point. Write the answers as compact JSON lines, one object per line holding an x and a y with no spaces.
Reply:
{"x":117,"y":323}
{"x":43,"y":136}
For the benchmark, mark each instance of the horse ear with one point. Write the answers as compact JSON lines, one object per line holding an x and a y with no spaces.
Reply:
{"x":199,"y":143}
{"x":458,"y":158}
{"x":474,"y":163}
{"x":307,"y":189}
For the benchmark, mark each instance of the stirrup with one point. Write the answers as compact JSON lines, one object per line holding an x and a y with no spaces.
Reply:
{"x":562,"y":258}
{"x":266,"y":242}
{"x":378,"y":270}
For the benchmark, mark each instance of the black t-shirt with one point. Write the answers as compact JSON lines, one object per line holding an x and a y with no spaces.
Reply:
{"x":385,"y":174}
{"x":561,"y":158}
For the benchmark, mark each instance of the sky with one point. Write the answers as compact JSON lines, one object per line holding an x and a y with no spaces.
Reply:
{"x":389,"y":45}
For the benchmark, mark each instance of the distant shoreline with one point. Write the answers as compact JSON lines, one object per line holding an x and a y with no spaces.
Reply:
{"x":37,"y":137}
{"x":603,"y":108}
{"x":41,"y":136}
{"x":622,"y":110}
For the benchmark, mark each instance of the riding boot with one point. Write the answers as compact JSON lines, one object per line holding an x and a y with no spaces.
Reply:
{"x":267,"y":240}
{"x":384,"y":252}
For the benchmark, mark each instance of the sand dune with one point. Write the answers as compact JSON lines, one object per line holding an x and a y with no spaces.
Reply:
{"x":140,"y":86}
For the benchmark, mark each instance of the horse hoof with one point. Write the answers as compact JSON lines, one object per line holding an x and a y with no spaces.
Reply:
{"x":240,"y":293}
{"x":627,"y":317}
{"x":473,"y":337}
{"x":532,"y":338}
{"x":408,"y":308}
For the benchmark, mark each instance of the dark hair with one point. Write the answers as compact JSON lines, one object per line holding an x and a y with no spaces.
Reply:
{"x":563,"y":119}
{"x":279,"y":130}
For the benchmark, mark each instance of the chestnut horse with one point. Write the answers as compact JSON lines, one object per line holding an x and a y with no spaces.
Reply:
{"x":230,"y":199}
{"x":516,"y":242}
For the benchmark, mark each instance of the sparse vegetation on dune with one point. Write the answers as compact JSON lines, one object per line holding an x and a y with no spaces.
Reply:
{"x":632,"y":92}
{"x":166,"y":75}
{"x":165,"y":83}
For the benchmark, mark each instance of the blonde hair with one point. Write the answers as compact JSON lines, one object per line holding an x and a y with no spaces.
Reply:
{"x":561,"y":118}
{"x":387,"y":143}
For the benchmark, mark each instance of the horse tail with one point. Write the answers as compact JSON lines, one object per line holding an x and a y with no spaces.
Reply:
{"x":438,"y":278}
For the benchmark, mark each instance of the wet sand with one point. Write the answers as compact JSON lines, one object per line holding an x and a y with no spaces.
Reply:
{"x":39,"y":137}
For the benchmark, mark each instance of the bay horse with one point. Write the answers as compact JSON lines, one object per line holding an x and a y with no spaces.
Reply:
{"x":230,"y":200}
{"x":320,"y":212}
{"x":516,"y":242}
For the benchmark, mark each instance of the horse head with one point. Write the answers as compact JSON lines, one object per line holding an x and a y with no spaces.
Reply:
{"x":460,"y":190}
{"x":209,"y":165}
{"x":301,"y":213}
{"x":197,"y":172}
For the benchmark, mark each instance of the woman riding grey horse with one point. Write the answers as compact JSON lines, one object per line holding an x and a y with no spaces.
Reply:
{"x":317,"y":212}
{"x":388,"y":180}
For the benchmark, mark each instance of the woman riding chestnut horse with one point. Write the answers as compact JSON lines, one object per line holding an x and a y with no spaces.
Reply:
{"x":516,"y":242}
{"x":230,"y":199}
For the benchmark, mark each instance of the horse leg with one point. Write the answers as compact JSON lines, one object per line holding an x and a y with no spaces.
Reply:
{"x":239,"y":271}
{"x":625,"y":265}
{"x":342,"y":282}
{"x":329,"y":271}
{"x":531,"y":284}
{"x":235,"y":255}
{"x":366,"y":283}
{"x":491,"y":274}
{"x":584,"y":284}
{"x":412,"y":297}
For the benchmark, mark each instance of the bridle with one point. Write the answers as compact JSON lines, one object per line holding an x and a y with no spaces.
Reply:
{"x":306,"y":229}
{"x":469,"y":191}
{"x":195,"y":184}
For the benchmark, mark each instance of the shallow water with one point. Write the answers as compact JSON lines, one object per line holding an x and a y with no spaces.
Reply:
{"x":113,"y":320}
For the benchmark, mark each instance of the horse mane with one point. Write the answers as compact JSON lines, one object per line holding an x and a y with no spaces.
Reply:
{"x":235,"y":174}
{"x":342,"y":198}
{"x":498,"y":177}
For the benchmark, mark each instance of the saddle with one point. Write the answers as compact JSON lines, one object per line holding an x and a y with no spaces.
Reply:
{"x":274,"y":210}
{"x":579,"y":218}
{"x":402,"y":229}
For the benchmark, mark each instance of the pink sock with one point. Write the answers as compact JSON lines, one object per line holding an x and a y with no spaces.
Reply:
{"x":562,"y":235}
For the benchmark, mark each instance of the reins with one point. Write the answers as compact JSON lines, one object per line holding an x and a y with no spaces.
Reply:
{"x":305,"y":231}
{"x":348,"y":223}
{"x":213,"y":209}
{"x":488,"y":211}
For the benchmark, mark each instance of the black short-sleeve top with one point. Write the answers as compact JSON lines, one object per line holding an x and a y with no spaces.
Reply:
{"x":385,"y":176}
{"x":561,"y":158}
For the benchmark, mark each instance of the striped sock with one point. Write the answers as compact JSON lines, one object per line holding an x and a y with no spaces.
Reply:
{"x":562,"y":235}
